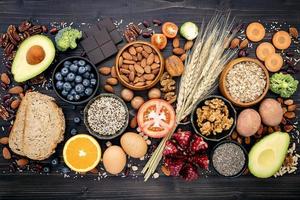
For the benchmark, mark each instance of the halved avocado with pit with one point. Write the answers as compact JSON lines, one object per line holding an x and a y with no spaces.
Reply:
{"x":34,"y":55}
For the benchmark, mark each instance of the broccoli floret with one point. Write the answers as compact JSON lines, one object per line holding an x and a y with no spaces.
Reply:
{"x":283,"y":84}
{"x":66,"y":38}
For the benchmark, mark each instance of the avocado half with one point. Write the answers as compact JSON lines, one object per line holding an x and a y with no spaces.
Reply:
{"x":267,"y":156}
{"x":34,"y":55}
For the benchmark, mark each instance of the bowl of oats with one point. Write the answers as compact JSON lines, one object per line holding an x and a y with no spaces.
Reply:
{"x":213,"y":118}
{"x":244,"y":81}
{"x":106,"y":116}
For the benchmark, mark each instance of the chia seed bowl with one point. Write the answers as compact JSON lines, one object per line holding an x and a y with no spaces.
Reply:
{"x":106,"y":116}
{"x":231,"y":161}
{"x":219,"y":136}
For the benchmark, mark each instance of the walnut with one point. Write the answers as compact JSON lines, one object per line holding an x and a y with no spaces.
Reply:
{"x":213,"y":117}
{"x":168,"y":87}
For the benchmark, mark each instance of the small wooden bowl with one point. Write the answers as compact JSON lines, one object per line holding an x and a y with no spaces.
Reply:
{"x":222,"y":81}
{"x":145,"y":87}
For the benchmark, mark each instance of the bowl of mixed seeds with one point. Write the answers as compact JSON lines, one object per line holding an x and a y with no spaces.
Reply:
{"x":213,"y":118}
{"x":244,"y":81}
{"x":106,"y":116}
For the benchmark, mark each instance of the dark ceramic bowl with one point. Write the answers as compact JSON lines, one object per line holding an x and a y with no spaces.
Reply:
{"x":245,"y":154}
{"x":219,"y":136}
{"x":94,"y":133}
{"x":82,"y":99}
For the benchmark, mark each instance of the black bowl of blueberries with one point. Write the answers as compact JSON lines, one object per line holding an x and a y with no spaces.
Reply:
{"x":75,"y":80}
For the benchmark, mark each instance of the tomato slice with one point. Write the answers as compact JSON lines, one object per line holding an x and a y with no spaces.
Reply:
{"x":169,"y":29}
{"x":159,"y":40}
{"x":156,"y":118}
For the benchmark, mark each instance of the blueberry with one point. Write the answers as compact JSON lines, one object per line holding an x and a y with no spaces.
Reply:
{"x":88,"y":68}
{"x":86,"y":82}
{"x":86,"y":75}
{"x":75,"y":62}
{"x":54,"y":161}
{"x":73,"y":68}
{"x":67,"y":86}
{"x":78,"y":79}
{"x":67,"y":63}
{"x":46,"y":169}
{"x":64,"y":71}
{"x":59,"y":85}
{"x":79,"y":88}
{"x":71,"y":77}
{"x":93,"y":81}
{"x":76,"y":120}
{"x":81,"y":62}
{"x":64,"y":93}
{"x":81,"y":70}
{"x":92,"y":75}
{"x":77,"y":97}
{"x":88,"y":91}
{"x":73,"y":131}
{"x":65,"y":170}
{"x":72,"y":92}
{"x":70,"y":97}
{"x":58,"y":76}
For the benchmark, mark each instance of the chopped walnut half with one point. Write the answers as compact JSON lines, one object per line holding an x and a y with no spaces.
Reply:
{"x":168,"y":87}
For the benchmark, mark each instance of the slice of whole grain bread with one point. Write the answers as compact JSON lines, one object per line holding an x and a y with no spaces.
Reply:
{"x":16,"y":133}
{"x":44,"y":126}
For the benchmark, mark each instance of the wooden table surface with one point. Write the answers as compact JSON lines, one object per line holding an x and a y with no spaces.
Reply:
{"x":55,"y":186}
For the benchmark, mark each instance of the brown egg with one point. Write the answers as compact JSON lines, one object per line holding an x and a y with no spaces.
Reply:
{"x":136,"y":102}
{"x":114,"y":159}
{"x":134,"y":144}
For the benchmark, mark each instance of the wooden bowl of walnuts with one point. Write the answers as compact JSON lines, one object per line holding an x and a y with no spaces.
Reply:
{"x":139,"y":65}
{"x":213,"y":118}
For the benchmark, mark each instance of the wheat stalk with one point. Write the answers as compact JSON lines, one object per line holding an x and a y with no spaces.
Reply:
{"x":203,"y":66}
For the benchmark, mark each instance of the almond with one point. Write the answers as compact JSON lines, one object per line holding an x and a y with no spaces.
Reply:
{"x":126,"y":55}
{"x":120,"y":61}
{"x":139,"y":49}
{"x":147,"y":69}
{"x":292,"y":107}
{"x":150,"y":59}
{"x":15,"y":103}
{"x":176,"y":42}
{"x":138,"y":84}
{"x":188,"y":45}
{"x":106,"y":70}
{"x":139,"y":56}
{"x":131,"y":76}
{"x":22,"y":162}
{"x":6,"y":153}
{"x":289,"y":115}
{"x":156,"y":59}
{"x":138,"y":69}
{"x":124,"y":78}
{"x":288,"y":128}
{"x":94,"y":171}
{"x":145,"y":54}
{"x":155,"y":66}
{"x":125,"y":66}
{"x":149,"y":77}
{"x":130,"y":62}
{"x":144,"y":63}
{"x":244,"y":44}
{"x":148,"y":82}
{"x":5,"y":78}
{"x":113,"y":72}
{"x":183,"y":57}
{"x":132,"y":51}
{"x":293,"y":32}
{"x":124,"y":71}
{"x":134,"y":58}
{"x":109,"y":88}
{"x":133,"y":122}
{"x":234,"y":43}
{"x":15,"y":90}
{"x":112,"y":81}
{"x":178,"y":51}
{"x":147,"y":49}
{"x":4,"y":140}
{"x":288,"y":102}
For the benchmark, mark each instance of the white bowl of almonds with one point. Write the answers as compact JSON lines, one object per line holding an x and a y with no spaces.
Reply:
{"x":139,"y":65}
{"x":244,"y":81}
{"x":106,"y":116}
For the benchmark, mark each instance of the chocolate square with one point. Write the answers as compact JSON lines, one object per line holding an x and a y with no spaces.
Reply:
{"x":107,"y":23}
{"x":116,"y":36}
{"x":89,"y":44}
{"x":102,"y":36}
{"x":109,"y":49}
{"x":96,"y":56}
{"x":92,"y":30}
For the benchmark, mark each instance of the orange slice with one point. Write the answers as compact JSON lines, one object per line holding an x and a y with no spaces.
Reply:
{"x":255,"y":32}
{"x":82,"y":153}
